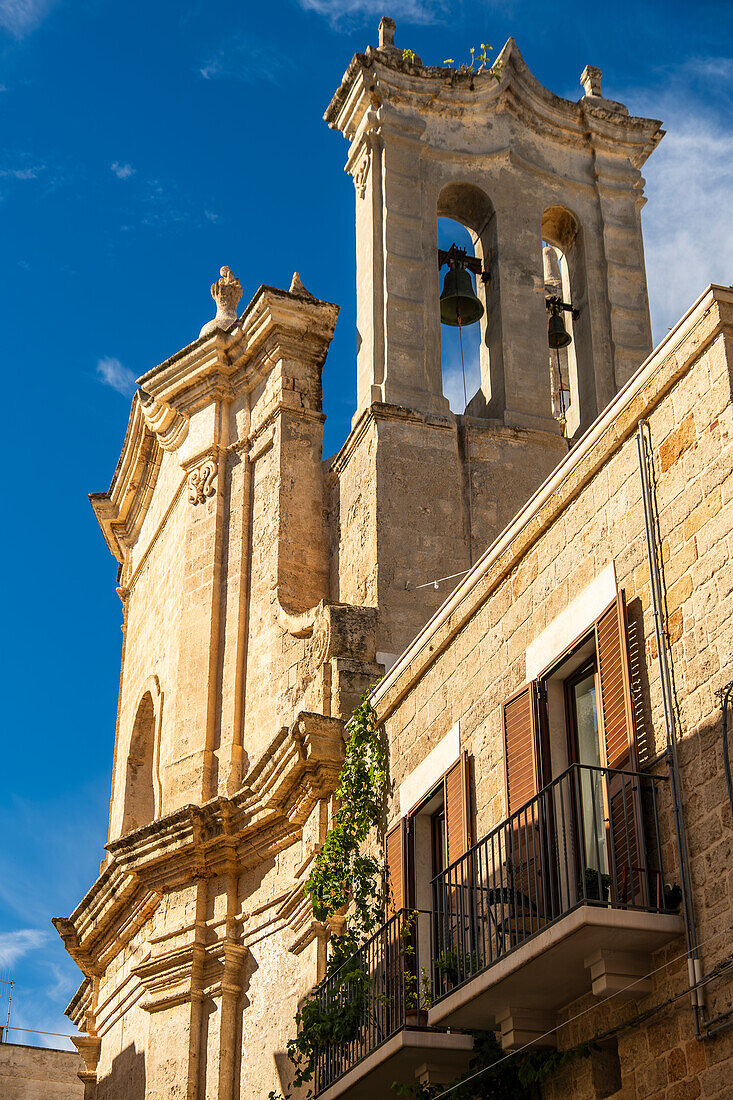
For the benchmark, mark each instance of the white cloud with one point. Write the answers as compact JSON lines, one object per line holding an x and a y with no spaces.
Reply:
{"x":688,"y":219}
{"x":19,"y":17}
{"x":122,"y":171}
{"x":412,"y":11}
{"x":14,"y":945}
{"x":112,"y":373}
{"x":211,"y":216}
{"x":22,"y":173}
{"x":242,"y":58}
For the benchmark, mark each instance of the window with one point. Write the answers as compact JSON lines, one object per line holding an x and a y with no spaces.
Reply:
{"x":571,"y":732}
{"x":434,"y":834}
{"x":139,"y":806}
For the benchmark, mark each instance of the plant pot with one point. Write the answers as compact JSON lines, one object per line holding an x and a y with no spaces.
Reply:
{"x":416,"y":1018}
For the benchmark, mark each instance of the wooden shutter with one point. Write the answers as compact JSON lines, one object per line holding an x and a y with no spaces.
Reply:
{"x":520,"y":746}
{"x":618,"y":743}
{"x":457,"y":822}
{"x":617,"y":711}
{"x":396,"y":867}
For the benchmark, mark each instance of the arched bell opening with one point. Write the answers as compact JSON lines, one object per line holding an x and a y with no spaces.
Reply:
{"x":572,"y":390}
{"x":460,"y":347}
{"x":465,"y":218}
{"x":139,"y":805}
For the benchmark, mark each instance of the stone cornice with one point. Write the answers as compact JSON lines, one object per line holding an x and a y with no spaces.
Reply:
{"x":276,"y":325}
{"x":379,"y":77}
{"x":710,"y":315}
{"x":300,"y":767}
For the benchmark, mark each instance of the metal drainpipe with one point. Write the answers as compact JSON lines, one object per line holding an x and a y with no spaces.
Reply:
{"x":694,"y":965}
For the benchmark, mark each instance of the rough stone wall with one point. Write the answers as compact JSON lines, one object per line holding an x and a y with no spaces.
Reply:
{"x":589,"y":522}
{"x":38,"y":1073}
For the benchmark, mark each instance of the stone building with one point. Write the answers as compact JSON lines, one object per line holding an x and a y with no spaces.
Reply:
{"x":265,"y":589}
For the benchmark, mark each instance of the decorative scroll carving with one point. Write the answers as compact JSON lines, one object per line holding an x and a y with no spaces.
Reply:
{"x":360,"y":175}
{"x":169,"y":426}
{"x":201,"y":481}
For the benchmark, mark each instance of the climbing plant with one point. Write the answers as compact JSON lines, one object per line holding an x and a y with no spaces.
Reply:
{"x":344,"y":880}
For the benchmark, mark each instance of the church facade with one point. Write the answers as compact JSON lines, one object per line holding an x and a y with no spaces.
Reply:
{"x":265,"y":589}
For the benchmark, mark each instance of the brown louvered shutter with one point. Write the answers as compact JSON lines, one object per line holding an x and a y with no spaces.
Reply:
{"x":457,"y":821}
{"x":613,"y":669}
{"x":618,"y":742}
{"x":520,"y":748}
{"x":395,"y":845}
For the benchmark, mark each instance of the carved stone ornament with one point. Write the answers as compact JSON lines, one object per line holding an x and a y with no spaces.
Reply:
{"x":226,"y":292}
{"x":320,"y":642}
{"x":201,"y":482}
{"x":169,"y":426}
{"x":360,"y":175}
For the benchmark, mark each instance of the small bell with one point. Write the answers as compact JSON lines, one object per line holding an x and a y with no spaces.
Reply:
{"x":557,"y":335}
{"x":459,"y":304}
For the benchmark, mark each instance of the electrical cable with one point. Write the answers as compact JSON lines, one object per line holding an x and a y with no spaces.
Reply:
{"x":35,"y":1031}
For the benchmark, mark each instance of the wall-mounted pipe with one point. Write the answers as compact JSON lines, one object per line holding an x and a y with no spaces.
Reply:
{"x":693,"y":959}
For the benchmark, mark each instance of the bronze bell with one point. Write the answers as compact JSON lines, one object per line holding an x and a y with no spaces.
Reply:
{"x":557,"y":335}
{"x":459,"y":304}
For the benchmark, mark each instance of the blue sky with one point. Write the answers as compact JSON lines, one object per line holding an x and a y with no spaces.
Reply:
{"x":145,"y":145}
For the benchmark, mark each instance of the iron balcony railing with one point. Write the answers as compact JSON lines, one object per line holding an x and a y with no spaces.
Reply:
{"x":590,"y":837}
{"x":381,"y":989}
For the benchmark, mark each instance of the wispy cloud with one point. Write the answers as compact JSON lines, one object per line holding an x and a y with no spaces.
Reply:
{"x":242,"y":58}
{"x":19,"y":17}
{"x":122,"y":171}
{"x":338,"y":12}
{"x":114,"y":374}
{"x":14,"y":945}
{"x":23,"y":173}
{"x":688,"y":219}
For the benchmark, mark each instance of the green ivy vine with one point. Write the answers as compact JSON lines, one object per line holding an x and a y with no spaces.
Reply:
{"x":345,"y":881}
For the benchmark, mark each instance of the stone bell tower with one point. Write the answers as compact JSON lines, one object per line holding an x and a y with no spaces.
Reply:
{"x":518,"y":167}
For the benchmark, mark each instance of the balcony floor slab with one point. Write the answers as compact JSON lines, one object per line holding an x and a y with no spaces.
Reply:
{"x":548,"y":971}
{"x":398,"y":1059}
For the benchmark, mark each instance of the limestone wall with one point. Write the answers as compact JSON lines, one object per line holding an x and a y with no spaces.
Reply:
{"x":39,"y":1073}
{"x":474,"y":659}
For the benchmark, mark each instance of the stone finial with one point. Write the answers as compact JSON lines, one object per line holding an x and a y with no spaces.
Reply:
{"x":226,"y":292}
{"x":296,"y":287}
{"x":590,"y":78}
{"x":387,"y":28}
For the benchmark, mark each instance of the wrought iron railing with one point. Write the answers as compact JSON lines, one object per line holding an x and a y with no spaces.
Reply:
{"x":590,"y":837}
{"x":382,"y":989}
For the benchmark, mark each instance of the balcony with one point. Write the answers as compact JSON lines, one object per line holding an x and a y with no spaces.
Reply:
{"x":384,"y":994}
{"x":564,"y":897}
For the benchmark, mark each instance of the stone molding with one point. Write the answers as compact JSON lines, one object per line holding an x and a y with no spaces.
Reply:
{"x":299,"y":768}
{"x":377,"y":77}
{"x":169,"y":426}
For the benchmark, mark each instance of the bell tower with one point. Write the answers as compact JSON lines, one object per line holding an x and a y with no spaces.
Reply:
{"x":523,"y":170}
{"x":517,"y":166}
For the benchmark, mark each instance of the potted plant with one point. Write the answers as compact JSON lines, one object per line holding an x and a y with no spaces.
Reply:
{"x":595,"y":886}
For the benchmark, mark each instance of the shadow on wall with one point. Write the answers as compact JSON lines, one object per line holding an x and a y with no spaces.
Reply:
{"x":126,"y":1079}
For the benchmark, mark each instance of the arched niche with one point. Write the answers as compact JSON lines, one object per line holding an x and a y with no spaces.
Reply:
{"x":467,"y":204}
{"x":564,"y":274}
{"x":141,"y":776}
